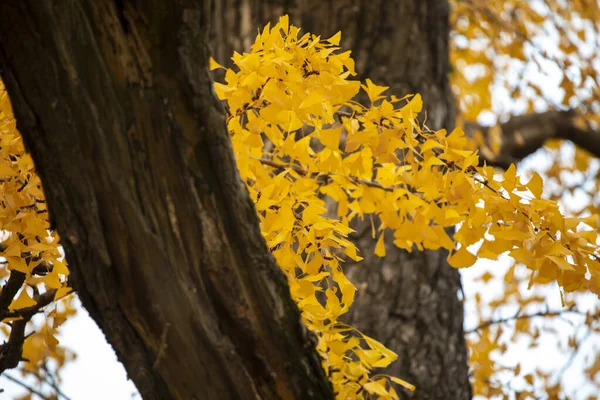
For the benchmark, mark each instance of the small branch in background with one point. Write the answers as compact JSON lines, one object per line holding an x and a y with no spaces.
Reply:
{"x":524,"y":134}
{"x":50,"y":380}
{"x":572,"y":357}
{"x":26,"y":387}
{"x":518,"y":315}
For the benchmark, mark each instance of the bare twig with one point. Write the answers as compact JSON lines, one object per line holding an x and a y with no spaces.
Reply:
{"x":27,"y":387}
{"x":572,"y":357}
{"x":50,"y":380}
{"x":518,"y":316}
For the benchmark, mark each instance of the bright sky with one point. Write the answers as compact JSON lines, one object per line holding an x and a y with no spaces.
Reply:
{"x":95,"y":374}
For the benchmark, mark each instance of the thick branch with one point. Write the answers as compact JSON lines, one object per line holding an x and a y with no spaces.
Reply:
{"x":523,"y":135}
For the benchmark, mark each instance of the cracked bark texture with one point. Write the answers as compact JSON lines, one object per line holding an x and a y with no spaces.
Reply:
{"x":115,"y":104}
{"x":409,"y":301}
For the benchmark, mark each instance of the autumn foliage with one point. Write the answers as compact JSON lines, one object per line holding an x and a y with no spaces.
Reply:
{"x":314,"y":159}
{"x":35,"y":272}
{"x":301,"y":141}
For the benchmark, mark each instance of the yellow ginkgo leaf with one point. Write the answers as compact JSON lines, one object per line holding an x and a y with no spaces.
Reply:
{"x":462,"y":258}
{"x":284,"y":23}
{"x":49,"y":339}
{"x":17,"y":264}
{"x":403,"y":383}
{"x":335,"y":39}
{"x":23,"y":301}
{"x":6,"y":171}
{"x":51,"y":280}
{"x":331,"y":138}
{"x":536,"y":185}
{"x":63,"y":292}
{"x":212,"y":64}
{"x":377,"y":387}
{"x":380,"y":247}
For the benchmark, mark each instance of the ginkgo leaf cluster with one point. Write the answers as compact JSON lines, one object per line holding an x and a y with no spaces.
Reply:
{"x":301,"y":139}
{"x":29,"y":249}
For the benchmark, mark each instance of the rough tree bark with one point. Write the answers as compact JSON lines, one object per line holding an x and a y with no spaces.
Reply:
{"x":409,"y":301}
{"x":115,"y":104}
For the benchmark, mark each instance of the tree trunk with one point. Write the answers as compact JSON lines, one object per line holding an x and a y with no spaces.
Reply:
{"x":115,"y":104}
{"x":409,"y":301}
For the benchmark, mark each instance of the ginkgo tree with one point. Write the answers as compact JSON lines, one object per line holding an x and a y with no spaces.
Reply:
{"x":300,"y":138}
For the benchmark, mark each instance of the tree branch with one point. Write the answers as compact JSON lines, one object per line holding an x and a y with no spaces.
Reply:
{"x":303,"y":172}
{"x":547,"y":313}
{"x":572,"y":357}
{"x":49,"y":378}
{"x":523,"y":135}
{"x":27,"y":387}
